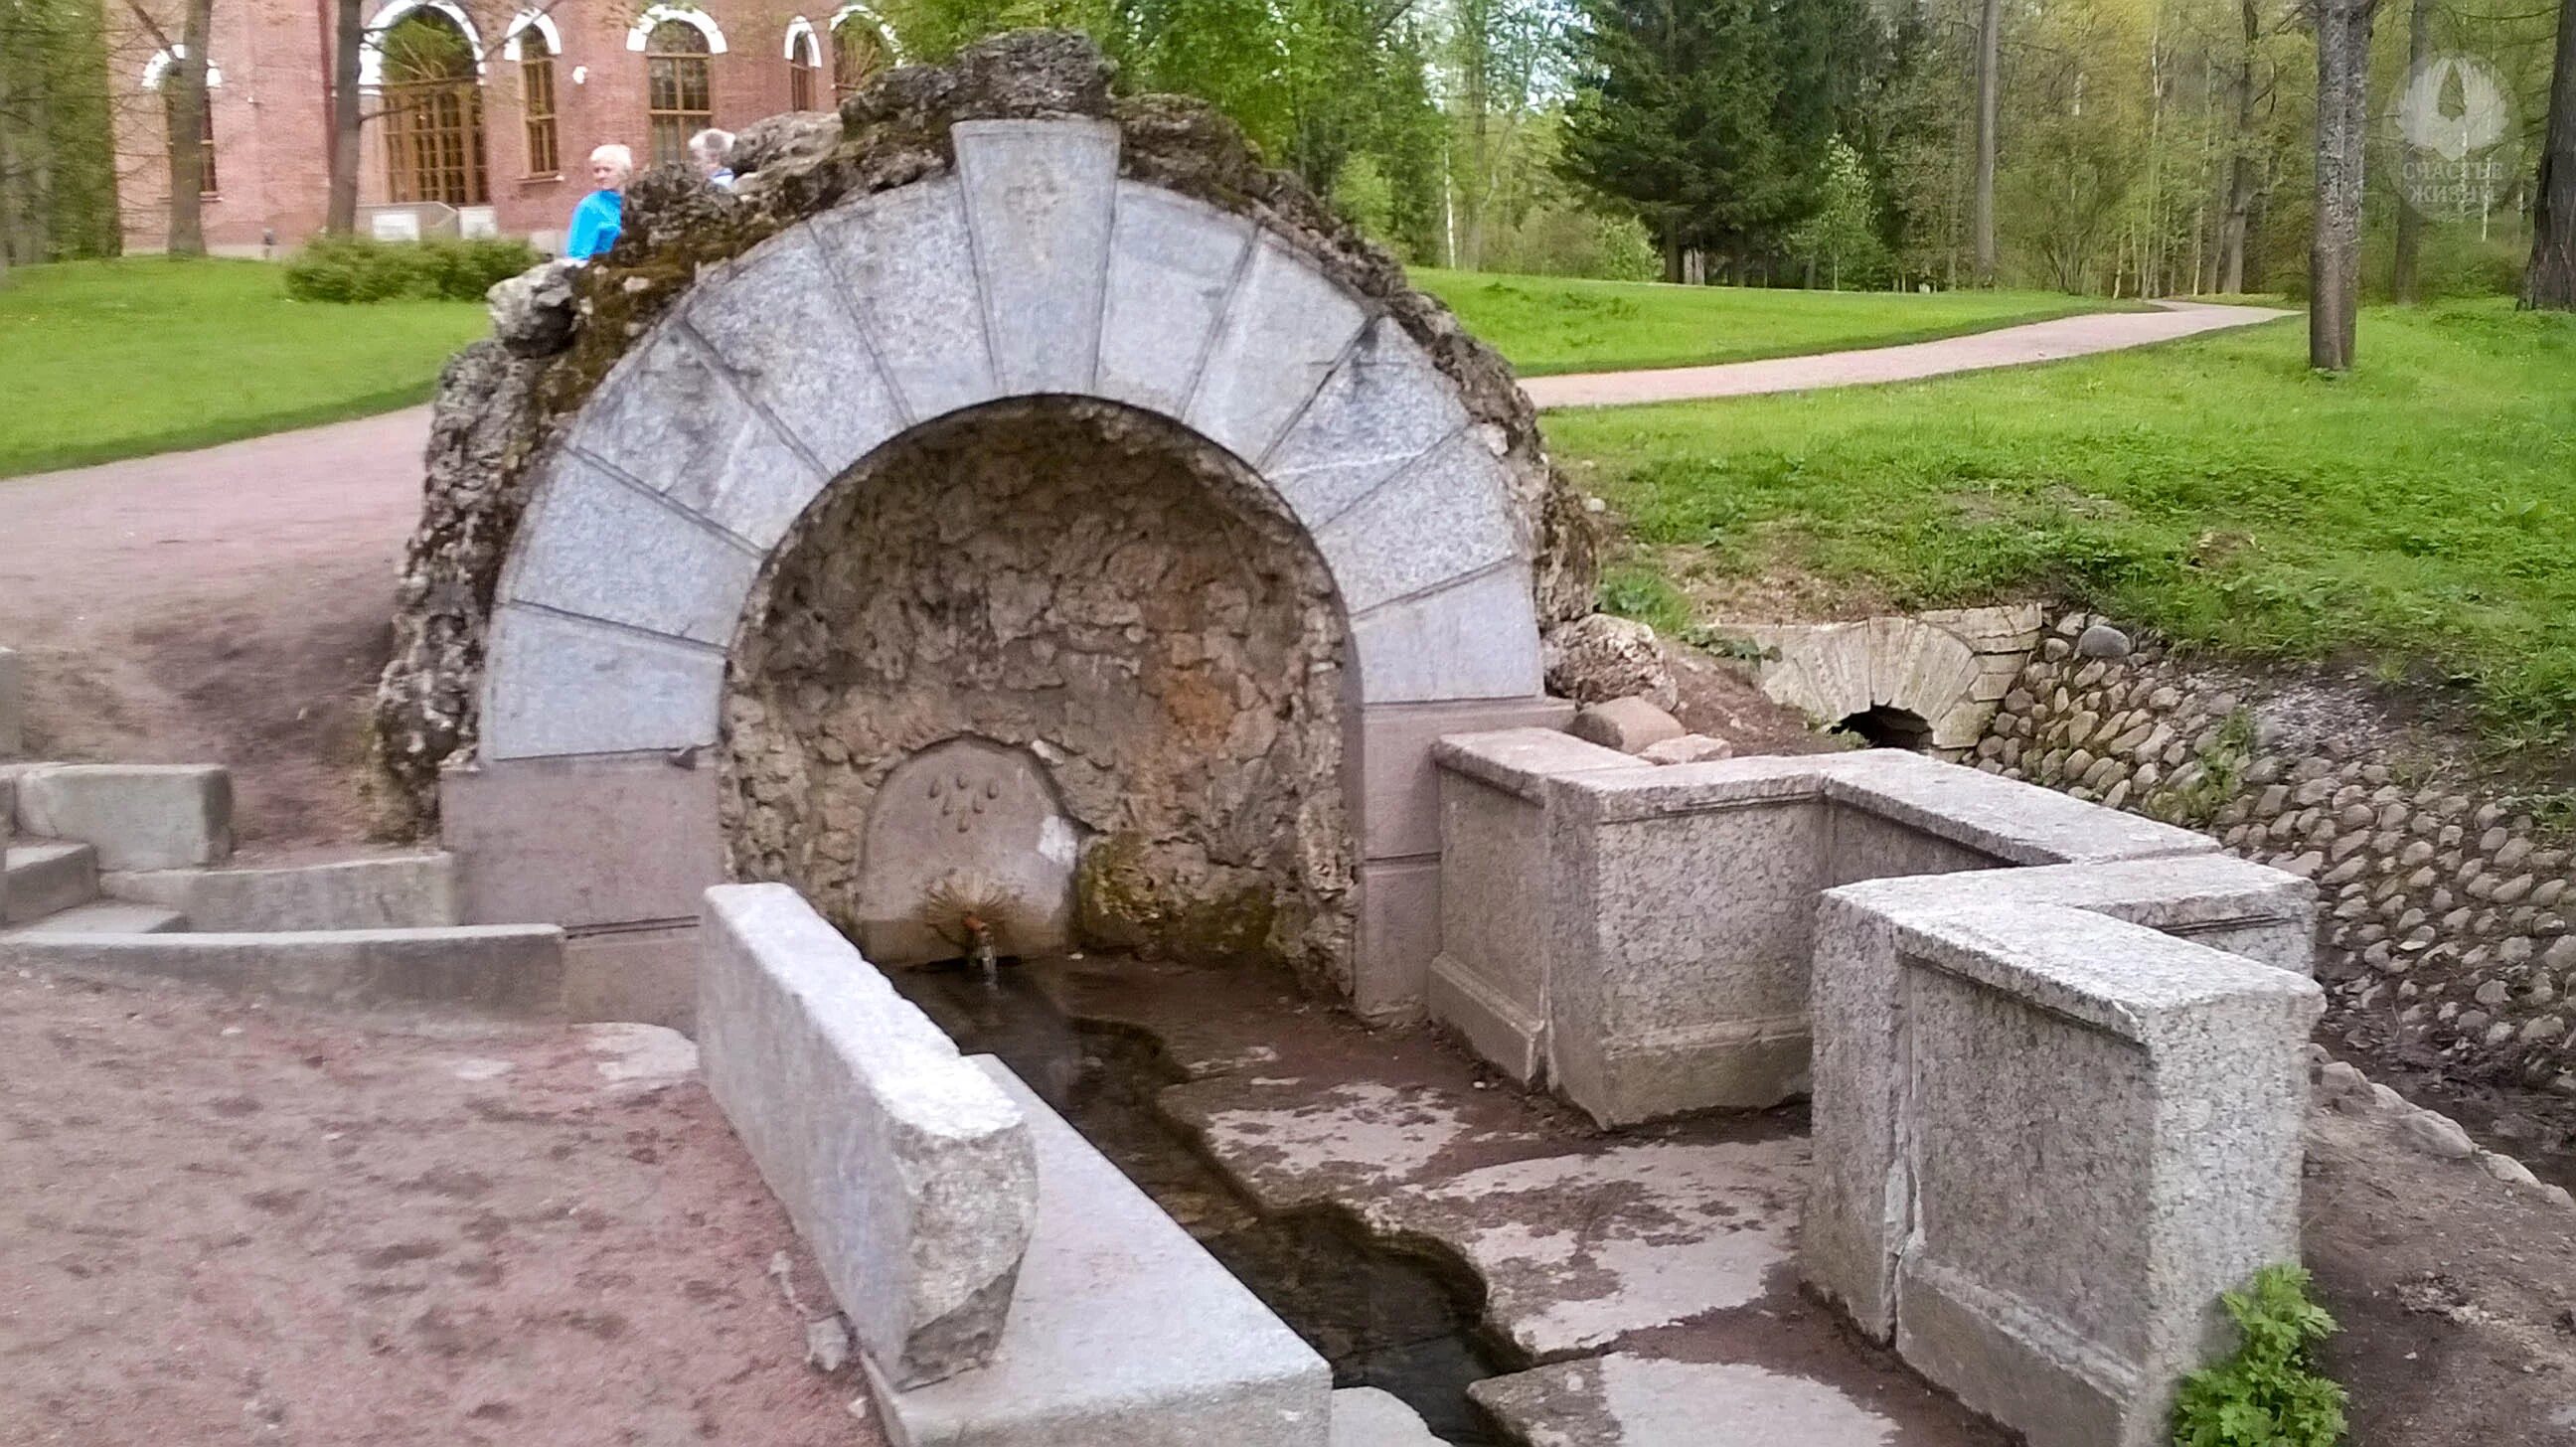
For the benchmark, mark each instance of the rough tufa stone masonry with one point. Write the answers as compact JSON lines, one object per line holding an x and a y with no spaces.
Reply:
{"x":1000,"y":408}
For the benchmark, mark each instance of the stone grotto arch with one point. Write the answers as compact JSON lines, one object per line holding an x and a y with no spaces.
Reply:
{"x":1066,"y":253}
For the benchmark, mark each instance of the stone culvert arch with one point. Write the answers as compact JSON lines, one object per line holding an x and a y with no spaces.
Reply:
{"x":1045,"y":244}
{"x":1929,"y":682}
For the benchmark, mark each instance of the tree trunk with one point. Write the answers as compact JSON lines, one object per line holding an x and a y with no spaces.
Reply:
{"x":1673,"y":251}
{"x":2343,"y":112}
{"x":183,"y":88}
{"x":2550,"y":283}
{"x":2240,"y":166}
{"x":2402,"y":282}
{"x":1989,"y":76}
{"x":340,"y":205}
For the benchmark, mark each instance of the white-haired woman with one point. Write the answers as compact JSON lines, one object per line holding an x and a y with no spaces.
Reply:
{"x":713,"y":151}
{"x":596,"y":219}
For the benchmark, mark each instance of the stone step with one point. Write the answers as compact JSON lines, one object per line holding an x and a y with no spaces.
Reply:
{"x":318,"y":890}
{"x":101,"y":917}
{"x":46,"y":876}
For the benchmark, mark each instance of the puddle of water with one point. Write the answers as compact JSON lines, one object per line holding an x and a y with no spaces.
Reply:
{"x":1384,"y":1318}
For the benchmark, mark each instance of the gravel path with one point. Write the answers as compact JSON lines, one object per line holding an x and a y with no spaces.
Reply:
{"x":2004,"y":347}
{"x":225,"y":1223}
{"x":229,"y":605}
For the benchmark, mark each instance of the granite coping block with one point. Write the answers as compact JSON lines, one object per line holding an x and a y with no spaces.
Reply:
{"x":2124,"y":979}
{"x":2017,"y":822}
{"x":1653,"y":791}
{"x":909,"y":1174}
{"x":1523,"y":762}
{"x":2183,"y":894}
{"x":1122,"y":1331}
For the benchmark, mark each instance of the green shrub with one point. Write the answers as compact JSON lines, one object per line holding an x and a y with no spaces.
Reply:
{"x":2269,"y":1393}
{"x":356,"y":269}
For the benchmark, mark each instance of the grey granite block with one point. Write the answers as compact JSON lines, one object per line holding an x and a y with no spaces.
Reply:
{"x":2017,"y":822}
{"x":1173,"y":262}
{"x":1859,"y":1011}
{"x":596,"y":546}
{"x":907,"y":258}
{"x":669,"y":416}
{"x":1039,"y":196}
{"x":1396,"y":782}
{"x":777,"y":318}
{"x":906,"y":1170}
{"x":1385,"y":406}
{"x":581,"y":842}
{"x":1498,"y":899}
{"x":1682,"y":946}
{"x":1445,"y":516}
{"x":1398,"y":933}
{"x":1284,"y":329}
{"x":2103,"y":1129}
{"x":555,"y":684}
{"x":1122,"y":1330}
{"x":647,"y":976}
{"x":1476,"y":638}
{"x":134,"y":816}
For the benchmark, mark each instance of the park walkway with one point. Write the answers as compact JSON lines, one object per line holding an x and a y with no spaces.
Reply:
{"x":2048,"y":341}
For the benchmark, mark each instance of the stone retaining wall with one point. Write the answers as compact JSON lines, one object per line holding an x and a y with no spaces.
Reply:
{"x":2445,"y":909}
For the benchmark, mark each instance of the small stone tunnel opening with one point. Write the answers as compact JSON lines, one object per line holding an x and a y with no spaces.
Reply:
{"x":1057,"y":663}
{"x":1882,"y":726}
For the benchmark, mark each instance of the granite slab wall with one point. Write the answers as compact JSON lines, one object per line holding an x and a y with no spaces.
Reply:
{"x":1640,"y":936}
{"x":2096,"y":1131}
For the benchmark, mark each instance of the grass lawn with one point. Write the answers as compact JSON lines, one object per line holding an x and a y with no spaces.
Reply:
{"x":122,"y":358}
{"x":1550,"y":324}
{"x":2420,"y":512}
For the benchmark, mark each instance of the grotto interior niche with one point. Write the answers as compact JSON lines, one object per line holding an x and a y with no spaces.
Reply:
{"x":1048,"y":673}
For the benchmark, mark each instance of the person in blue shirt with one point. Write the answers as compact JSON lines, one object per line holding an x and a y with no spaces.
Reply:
{"x":595,"y":220}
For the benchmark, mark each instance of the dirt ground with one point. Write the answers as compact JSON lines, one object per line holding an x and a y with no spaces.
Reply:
{"x":223,"y":606}
{"x":2457,"y":1294}
{"x":222,"y":1223}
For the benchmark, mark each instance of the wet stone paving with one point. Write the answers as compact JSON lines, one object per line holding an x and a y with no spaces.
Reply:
{"x":1509,"y":1270}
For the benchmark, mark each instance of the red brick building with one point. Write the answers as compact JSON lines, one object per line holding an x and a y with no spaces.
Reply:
{"x":480,"y":115}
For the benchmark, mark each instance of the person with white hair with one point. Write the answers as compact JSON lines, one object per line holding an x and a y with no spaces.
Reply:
{"x":596,"y":219}
{"x":713,"y":151}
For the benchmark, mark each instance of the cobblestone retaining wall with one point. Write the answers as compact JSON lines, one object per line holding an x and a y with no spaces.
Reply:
{"x":2446,"y":907}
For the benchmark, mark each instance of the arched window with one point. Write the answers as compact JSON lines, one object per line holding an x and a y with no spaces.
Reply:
{"x":861,"y":50}
{"x":804,"y":60}
{"x":675,"y":88}
{"x":433,"y":112}
{"x":537,"y":99}
{"x":157,"y":70}
{"x":205,"y":137}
